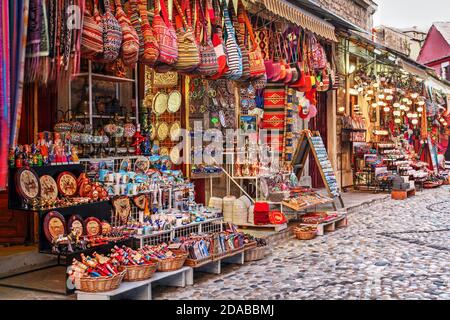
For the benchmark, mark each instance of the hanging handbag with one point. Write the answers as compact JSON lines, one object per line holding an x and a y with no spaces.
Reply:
{"x":92,"y":33}
{"x":135,"y":20}
{"x":130,"y":43}
{"x":165,"y":34}
{"x":256,"y":60}
{"x":112,"y":35}
{"x":213,"y":8}
{"x":318,"y":55}
{"x":151,"y":46}
{"x":209,"y":65}
{"x":188,"y":52}
{"x":232,"y":50}
{"x":293,"y":58}
{"x":239,"y":26}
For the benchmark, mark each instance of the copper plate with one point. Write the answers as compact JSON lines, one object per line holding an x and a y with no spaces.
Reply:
{"x":54,"y":225}
{"x":27,"y":183}
{"x":49,"y":188}
{"x":67,"y":184}
{"x":93,"y":226}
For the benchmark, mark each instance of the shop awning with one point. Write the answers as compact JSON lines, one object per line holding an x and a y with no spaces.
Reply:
{"x":300,"y":17}
{"x":411,"y":68}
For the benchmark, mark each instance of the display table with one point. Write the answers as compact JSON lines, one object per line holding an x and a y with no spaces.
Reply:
{"x":142,"y":290}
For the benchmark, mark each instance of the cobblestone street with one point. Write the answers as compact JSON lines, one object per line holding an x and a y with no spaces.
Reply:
{"x":391,"y":250}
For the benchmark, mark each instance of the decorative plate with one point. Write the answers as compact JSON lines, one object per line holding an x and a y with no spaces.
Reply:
{"x":67,"y":184}
{"x":163,"y":131}
{"x":153,"y":131}
{"x":139,"y":201}
{"x":106,"y":227}
{"x":174,"y":101}
{"x":160,"y":103}
{"x":175,"y":131}
{"x":49,"y":188}
{"x":164,"y":151}
{"x":54,"y":225}
{"x":93,"y":226}
{"x":76,"y":223}
{"x":27,"y":183}
{"x":175,"y":155}
{"x":122,"y":208}
{"x":142,"y":164}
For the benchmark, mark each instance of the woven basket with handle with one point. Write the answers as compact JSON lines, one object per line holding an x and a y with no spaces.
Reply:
{"x":139,"y":272}
{"x":100,"y":284}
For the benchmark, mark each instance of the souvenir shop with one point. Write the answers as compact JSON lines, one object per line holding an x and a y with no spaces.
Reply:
{"x":99,"y":160}
{"x":393,"y":121}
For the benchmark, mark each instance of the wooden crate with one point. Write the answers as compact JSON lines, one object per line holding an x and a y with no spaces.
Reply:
{"x":402,"y":194}
{"x":330,"y":226}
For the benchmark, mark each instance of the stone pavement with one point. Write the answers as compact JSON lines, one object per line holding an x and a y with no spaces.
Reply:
{"x":390,"y":250}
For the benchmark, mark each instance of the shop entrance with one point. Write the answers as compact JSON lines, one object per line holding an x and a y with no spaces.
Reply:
{"x":319,"y":123}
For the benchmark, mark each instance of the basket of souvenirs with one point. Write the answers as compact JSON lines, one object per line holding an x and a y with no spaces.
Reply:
{"x":278,"y":196}
{"x":167,"y":259}
{"x":305,"y":232}
{"x":198,"y":248}
{"x":255,"y":252}
{"x":137,"y":266}
{"x":95,"y":274}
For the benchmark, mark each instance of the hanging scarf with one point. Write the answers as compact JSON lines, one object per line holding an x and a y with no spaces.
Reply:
{"x":19,"y":38}
{"x":33,"y":40}
{"x":4,"y":92}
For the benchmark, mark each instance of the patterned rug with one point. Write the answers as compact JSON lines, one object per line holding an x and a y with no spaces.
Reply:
{"x":274,"y":115}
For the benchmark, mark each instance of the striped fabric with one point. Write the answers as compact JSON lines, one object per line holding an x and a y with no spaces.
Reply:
{"x":92,"y":35}
{"x":188,"y":52}
{"x":232,"y":50}
{"x":274,"y":115}
{"x":130,"y":43}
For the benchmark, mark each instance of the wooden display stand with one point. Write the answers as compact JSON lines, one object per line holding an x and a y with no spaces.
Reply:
{"x":312,"y":142}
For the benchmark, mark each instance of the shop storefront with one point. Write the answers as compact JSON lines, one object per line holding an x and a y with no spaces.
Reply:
{"x":147,"y":133}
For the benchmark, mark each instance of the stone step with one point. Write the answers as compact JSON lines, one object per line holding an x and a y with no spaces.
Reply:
{"x":15,"y":263}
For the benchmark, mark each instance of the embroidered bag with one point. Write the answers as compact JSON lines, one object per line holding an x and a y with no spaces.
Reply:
{"x":188,"y":53}
{"x":209,"y":65}
{"x":318,"y":55}
{"x":256,"y":60}
{"x":213,"y":8}
{"x":135,"y":19}
{"x":239,"y":26}
{"x":92,"y":34}
{"x":165,"y":34}
{"x":130,"y":43}
{"x":151,"y":46}
{"x":112,"y":35}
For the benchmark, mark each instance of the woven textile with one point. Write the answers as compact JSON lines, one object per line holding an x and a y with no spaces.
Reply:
{"x":165,"y":34}
{"x":274,"y":115}
{"x":112,"y":35}
{"x":130,"y":43}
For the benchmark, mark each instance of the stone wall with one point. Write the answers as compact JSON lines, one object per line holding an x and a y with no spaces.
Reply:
{"x":358,"y":12}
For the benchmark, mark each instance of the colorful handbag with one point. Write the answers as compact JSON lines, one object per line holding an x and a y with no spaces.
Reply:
{"x":241,"y":39}
{"x":135,"y":20}
{"x":130,"y":43}
{"x":232,"y":50}
{"x":256,"y":60}
{"x":165,"y":35}
{"x":151,"y":46}
{"x":112,"y":35}
{"x":318,"y":55}
{"x":217,"y":40}
{"x":188,"y":52}
{"x":92,"y":33}
{"x":209,"y":65}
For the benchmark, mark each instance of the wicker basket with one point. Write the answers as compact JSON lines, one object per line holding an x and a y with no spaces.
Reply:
{"x":140,"y":272}
{"x":255,"y":254}
{"x":197,"y":262}
{"x":172,"y":264}
{"x":100,"y":284}
{"x":305,"y":235}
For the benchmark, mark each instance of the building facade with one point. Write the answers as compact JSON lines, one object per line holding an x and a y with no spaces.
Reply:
{"x":435,"y":52}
